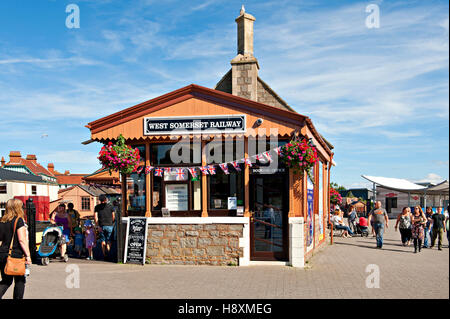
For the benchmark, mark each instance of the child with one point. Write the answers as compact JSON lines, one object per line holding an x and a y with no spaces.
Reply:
{"x":78,"y":241}
{"x":90,"y":238}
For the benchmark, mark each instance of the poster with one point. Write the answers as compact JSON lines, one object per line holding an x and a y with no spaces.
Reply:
{"x":321,"y":230}
{"x":310,"y":217}
{"x":177,"y":197}
{"x":232,"y":203}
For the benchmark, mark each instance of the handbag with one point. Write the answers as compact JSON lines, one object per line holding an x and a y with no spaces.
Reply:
{"x":14,"y":266}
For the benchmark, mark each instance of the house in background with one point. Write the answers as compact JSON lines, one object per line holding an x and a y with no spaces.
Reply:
{"x":84,"y":197}
{"x":102,"y":177}
{"x":67,"y":179}
{"x":23,"y":186}
{"x":30,"y":166}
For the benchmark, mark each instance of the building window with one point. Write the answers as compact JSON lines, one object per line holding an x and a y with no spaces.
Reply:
{"x":136,"y":184}
{"x":34,"y":190}
{"x":179,"y":153}
{"x":85,"y":203}
{"x":223,"y":186}
{"x":3,"y":189}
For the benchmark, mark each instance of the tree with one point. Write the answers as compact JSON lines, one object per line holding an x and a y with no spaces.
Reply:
{"x":350,"y":194}
{"x":337,"y":187}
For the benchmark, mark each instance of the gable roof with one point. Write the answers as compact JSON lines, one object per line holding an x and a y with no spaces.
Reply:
{"x":9,"y":175}
{"x":188,"y":92}
{"x":31,"y":165}
{"x":72,"y":179}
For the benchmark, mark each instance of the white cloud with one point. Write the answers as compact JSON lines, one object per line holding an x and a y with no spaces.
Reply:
{"x":431,"y":178}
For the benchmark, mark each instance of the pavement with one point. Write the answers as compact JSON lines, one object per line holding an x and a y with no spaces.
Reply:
{"x":351,"y":268}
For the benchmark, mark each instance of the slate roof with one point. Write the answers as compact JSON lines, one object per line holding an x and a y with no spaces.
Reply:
{"x":8,"y":175}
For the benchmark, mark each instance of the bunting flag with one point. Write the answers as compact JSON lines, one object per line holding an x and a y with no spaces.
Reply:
{"x":278,"y":150}
{"x":159,"y":172}
{"x":268,"y":156}
{"x":211,"y":169}
{"x":204,"y":170}
{"x":224,"y":168}
{"x":180,"y":174}
{"x":260,"y":158}
{"x":193,"y":171}
{"x":236,"y":166}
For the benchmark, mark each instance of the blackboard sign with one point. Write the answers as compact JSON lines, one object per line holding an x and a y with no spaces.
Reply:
{"x":136,"y":240}
{"x":194,"y":124}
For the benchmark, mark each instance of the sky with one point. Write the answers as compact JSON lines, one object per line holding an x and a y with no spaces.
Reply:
{"x":380,"y":95}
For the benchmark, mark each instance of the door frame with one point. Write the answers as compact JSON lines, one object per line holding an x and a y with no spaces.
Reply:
{"x":271,"y":256}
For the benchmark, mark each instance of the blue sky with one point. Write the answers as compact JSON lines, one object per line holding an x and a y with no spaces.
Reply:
{"x":379,"y":95}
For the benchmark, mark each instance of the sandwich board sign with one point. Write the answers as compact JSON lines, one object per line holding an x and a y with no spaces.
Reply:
{"x":136,"y":240}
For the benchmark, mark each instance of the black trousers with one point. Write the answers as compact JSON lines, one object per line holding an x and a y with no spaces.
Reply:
{"x":406,"y":234}
{"x":417,"y":243}
{"x":7,"y":280}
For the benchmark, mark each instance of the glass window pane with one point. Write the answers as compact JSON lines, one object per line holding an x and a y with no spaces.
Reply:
{"x":157,"y":193}
{"x":136,"y":193}
{"x":179,"y":153}
{"x":222,"y":186}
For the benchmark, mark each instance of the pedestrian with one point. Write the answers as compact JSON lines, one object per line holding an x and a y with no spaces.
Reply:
{"x":380,"y":220}
{"x":351,"y":219}
{"x":89,"y":238}
{"x":78,"y":241}
{"x":104,"y":217}
{"x":404,"y":219}
{"x":447,"y":223}
{"x":427,"y":228}
{"x":61,"y":218}
{"x":338,"y":223}
{"x":18,"y":237}
{"x":74,"y":215}
{"x":437,"y":221}
{"x":418,"y":222}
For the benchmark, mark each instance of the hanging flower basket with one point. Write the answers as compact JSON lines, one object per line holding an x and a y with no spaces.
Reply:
{"x":119,"y":157}
{"x":301,"y":156}
{"x":335,"y":197}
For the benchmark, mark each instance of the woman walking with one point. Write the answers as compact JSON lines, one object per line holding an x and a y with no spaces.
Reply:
{"x":352,"y":215}
{"x":418,"y":222}
{"x":62,"y":218}
{"x":404,"y":219}
{"x":20,"y":248}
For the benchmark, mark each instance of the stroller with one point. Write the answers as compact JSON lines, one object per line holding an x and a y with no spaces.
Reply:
{"x":362,"y":230}
{"x":52,"y":238}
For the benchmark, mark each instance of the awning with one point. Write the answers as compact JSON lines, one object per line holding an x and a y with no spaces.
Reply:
{"x":394,"y":183}
{"x":403,"y":185}
{"x":441,"y":188}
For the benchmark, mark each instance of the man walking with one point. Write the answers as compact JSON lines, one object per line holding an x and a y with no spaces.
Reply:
{"x":104,"y":217}
{"x":380,"y":221}
{"x":437,"y":221}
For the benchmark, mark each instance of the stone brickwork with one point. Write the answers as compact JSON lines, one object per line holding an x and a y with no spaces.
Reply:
{"x":244,"y":78}
{"x":265,"y":95}
{"x":194,"y":244}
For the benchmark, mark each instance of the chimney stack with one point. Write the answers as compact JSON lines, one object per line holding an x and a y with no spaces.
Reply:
{"x":31,"y":157}
{"x":3,"y":162}
{"x":51,"y":168}
{"x":14,"y":155}
{"x":244,"y":67}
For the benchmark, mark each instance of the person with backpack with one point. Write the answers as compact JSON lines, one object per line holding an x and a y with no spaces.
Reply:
{"x":104,"y":217}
